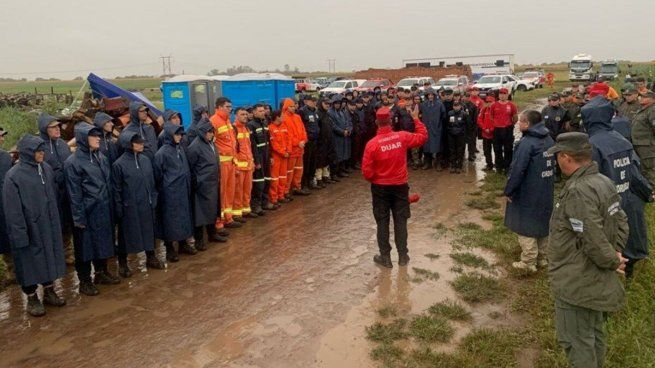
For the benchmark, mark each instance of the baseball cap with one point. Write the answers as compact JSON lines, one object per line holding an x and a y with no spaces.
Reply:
{"x":571,"y":142}
{"x":553,"y":97}
{"x":503,"y":91}
{"x":383,"y":114}
{"x":490,"y":99}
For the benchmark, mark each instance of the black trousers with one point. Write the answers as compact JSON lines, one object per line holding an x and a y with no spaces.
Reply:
{"x":391,"y":200}
{"x":487,"y":147}
{"x":308,"y":163}
{"x":503,"y":147}
{"x":261,"y":180}
{"x":198,"y":233}
{"x":32,"y":288}
{"x":456,"y":147}
{"x":471,"y":140}
{"x":83,"y":268}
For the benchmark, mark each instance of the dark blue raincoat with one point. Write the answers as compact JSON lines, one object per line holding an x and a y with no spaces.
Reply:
{"x":145,"y":131}
{"x":530,"y":184}
{"x":56,"y":153}
{"x":135,"y":198}
{"x":88,"y":179}
{"x":432,"y":115}
{"x":342,"y":143}
{"x":30,"y":206}
{"x":108,"y":145}
{"x":617,"y":160}
{"x":5,"y":165}
{"x":192,"y":132}
{"x":173,"y":180}
{"x":168,"y":114}
{"x":205,"y":175}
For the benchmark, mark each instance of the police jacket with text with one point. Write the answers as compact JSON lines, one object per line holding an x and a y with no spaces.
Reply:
{"x":385,"y":156}
{"x":309,"y":118}
{"x":530,"y":184}
{"x":555,"y":118}
{"x":617,"y":160}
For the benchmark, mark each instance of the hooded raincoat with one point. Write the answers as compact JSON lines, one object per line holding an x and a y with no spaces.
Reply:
{"x":108,"y":145}
{"x":88,"y":180}
{"x":341,"y":124}
{"x":205,"y":176}
{"x":135,"y":198}
{"x":5,"y":165}
{"x":192,"y":132}
{"x":432,"y":115}
{"x":56,"y":153}
{"x":173,"y":180}
{"x":617,"y":160}
{"x":145,"y":131}
{"x":530,"y":184}
{"x":32,"y":216}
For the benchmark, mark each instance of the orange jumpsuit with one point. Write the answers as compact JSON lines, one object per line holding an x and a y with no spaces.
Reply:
{"x":225,"y":142}
{"x":297,"y":134}
{"x":280,"y":145}
{"x":245,"y":165}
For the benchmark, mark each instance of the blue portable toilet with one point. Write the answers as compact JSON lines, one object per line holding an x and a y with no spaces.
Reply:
{"x":247,"y":89}
{"x":285,"y":87}
{"x":181,"y":93}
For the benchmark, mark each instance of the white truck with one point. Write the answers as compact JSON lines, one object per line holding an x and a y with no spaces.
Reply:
{"x":609,"y":70}
{"x":581,"y":68}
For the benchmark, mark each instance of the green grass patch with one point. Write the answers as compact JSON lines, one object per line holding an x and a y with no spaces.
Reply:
{"x":427,"y":358}
{"x":450,"y":309}
{"x":387,"y":311}
{"x":439,"y":230}
{"x":494,"y":182}
{"x":387,"y":353}
{"x":476,"y":288}
{"x":457,"y":269}
{"x":487,"y":348}
{"x":17,"y":122}
{"x":422,"y":273}
{"x":430,"y":329}
{"x":387,"y":332}
{"x":470,"y":259}
{"x":498,"y":239}
{"x":432,"y":256}
{"x":486,"y":202}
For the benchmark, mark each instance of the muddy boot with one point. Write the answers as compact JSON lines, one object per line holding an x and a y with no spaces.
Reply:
{"x":314,"y":186}
{"x":320,"y":184}
{"x":215,"y":237}
{"x":233,"y":225}
{"x":223,"y":232}
{"x":384,"y":261}
{"x":439,"y":167}
{"x":301,"y":192}
{"x":521,"y":266}
{"x":403,"y":259}
{"x":153,"y":262}
{"x":87,"y":288}
{"x":104,"y":278}
{"x":34,"y":306}
{"x":269,"y":207}
{"x":171,"y":253}
{"x":284,"y":200}
{"x":288,"y":196}
{"x":124,"y":270}
{"x":187,"y":248}
{"x":240,"y":219}
{"x":200,"y":244}
{"x":250,"y":215}
{"x":335,"y":179}
{"x":51,"y":298}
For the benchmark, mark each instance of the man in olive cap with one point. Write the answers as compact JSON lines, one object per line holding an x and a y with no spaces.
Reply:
{"x":629,"y":107}
{"x":588,"y":230}
{"x":643,"y":135}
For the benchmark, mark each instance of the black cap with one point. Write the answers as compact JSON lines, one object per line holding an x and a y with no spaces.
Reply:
{"x":448,"y":92}
{"x":137,"y":139}
{"x":554,"y":97}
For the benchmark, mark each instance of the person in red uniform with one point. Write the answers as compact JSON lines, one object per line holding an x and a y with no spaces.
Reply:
{"x":385,"y":165}
{"x":504,"y":115}
{"x":486,"y":126}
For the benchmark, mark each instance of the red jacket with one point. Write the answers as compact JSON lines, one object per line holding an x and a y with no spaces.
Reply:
{"x":296,"y":128}
{"x":486,"y":123}
{"x":502,"y":114}
{"x":478,"y":102}
{"x":385,"y":156}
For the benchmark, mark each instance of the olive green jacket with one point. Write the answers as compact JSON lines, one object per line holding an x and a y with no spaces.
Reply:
{"x":643,"y":132}
{"x":587,"y":228}
{"x":629,"y":110}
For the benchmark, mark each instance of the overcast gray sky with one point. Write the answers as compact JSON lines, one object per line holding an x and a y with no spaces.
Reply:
{"x":67,"y":38}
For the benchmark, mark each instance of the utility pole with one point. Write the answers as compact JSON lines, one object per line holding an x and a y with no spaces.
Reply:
{"x":332,"y":65}
{"x":166,"y":64}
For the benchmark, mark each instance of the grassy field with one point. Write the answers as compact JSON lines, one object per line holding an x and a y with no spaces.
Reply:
{"x":74,"y":86}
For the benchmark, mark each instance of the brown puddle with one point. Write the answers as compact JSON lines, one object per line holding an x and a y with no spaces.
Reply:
{"x":294,"y":289}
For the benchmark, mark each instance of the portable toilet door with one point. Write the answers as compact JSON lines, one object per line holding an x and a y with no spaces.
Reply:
{"x":177,"y":96}
{"x":200,"y":96}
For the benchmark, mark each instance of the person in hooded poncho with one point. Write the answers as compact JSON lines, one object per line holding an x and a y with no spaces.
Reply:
{"x":173,"y":117}
{"x":529,"y":190}
{"x":205,"y":174}
{"x":5,"y":249}
{"x":325,"y":152}
{"x":88,"y":180}
{"x":199,"y":112}
{"x":433,"y":114}
{"x":135,"y":200}
{"x":30,"y":207}
{"x":173,"y":181}
{"x":108,"y":145}
{"x":139,"y":124}
{"x":56,"y":152}
{"x":618,"y":161}
{"x":341,"y":130}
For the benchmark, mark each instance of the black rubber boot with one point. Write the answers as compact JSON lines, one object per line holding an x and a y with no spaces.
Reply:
{"x":403,"y":259}
{"x":87,"y":288}
{"x":51,"y":298}
{"x":105,"y":278}
{"x":34,"y":306}
{"x":171,"y":253}
{"x":124,"y":269}
{"x":269,"y":207}
{"x":382,"y":260}
{"x":187,"y":248}
{"x":215,"y":237}
{"x":153,"y":262}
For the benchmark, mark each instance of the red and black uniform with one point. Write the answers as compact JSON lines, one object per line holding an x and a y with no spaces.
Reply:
{"x":486,"y":126}
{"x":385,"y":165}
{"x":502,"y":114}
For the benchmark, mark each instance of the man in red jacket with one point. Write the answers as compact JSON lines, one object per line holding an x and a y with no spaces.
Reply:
{"x":504,"y":115}
{"x":385,"y":166}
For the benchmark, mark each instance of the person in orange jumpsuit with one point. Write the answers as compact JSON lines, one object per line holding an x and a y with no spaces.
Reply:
{"x":226,"y":142}
{"x":245,"y":165}
{"x":280,"y":152}
{"x":298,"y":137}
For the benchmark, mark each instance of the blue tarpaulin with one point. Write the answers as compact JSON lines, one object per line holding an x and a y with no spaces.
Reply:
{"x":102,"y":88}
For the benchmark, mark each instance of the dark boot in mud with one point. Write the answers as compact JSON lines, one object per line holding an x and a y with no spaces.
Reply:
{"x":214,"y":236}
{"x":382,"y":260}
{"x":105,"y":278}
{"x":124,"y":269}
{"x":403,"y":259}
{"x":34,"y":306}
{"x":187,"y":248}
{"x":51,"y":298}
{"x":87,"y":288}
{"x":153,"y":262}
{"x":171,"y":253}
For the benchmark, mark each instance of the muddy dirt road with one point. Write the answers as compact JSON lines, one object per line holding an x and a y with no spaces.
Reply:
{"x":293,"y":289}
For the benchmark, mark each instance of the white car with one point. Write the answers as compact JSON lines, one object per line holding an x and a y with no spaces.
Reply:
{"x":535,"y":77}
{"x":523,"y":84}
{"x":340,"y":86}
{"x":453,"y":82}
{"x":407,"y":83}
{"x":495,"y":82}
